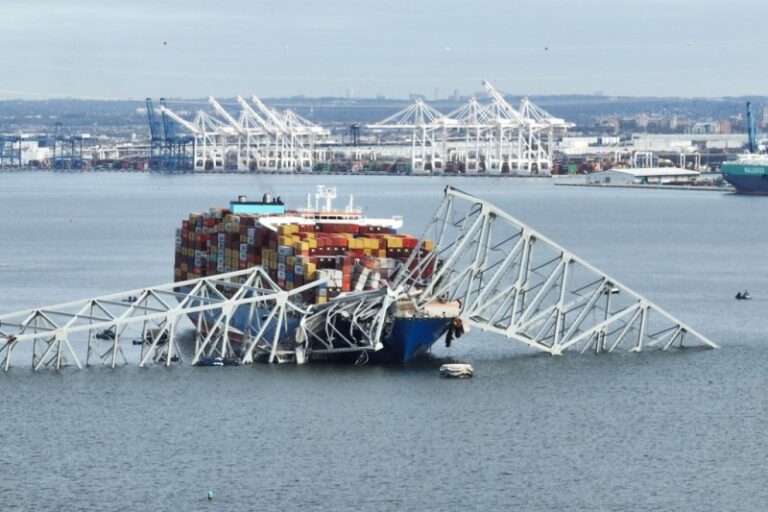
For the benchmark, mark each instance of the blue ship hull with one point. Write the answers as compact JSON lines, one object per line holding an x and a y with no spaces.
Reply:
{"x":755,"y":185}
{"x":746,"y":178}
{"x":410,"y":338}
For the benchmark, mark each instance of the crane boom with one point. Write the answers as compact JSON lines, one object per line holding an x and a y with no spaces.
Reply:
{"x":505,"y":106}
{"x":269,"y":113}
{"x":260,"y":120}
{"x":183,"y":122}
{"x":223,"y":113}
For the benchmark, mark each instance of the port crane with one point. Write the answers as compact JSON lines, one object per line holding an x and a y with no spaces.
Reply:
{"x":428,"y":129}
{"x":752,"y":143}
{"x":475,"y":131}
{"x":510,"y":280}
{"x":493,"y":138}
{"x":257,"y":138}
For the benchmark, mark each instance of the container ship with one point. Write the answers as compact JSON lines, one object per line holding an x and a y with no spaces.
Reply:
{"x":346,"y":250}
{"x":748,"y":174}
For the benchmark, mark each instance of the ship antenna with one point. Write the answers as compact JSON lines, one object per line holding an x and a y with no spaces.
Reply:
{"x":309,"y":202}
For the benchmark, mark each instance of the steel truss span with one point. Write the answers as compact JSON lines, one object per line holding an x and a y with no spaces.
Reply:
{"x":509,"y":279}
{"x":98,"y":331}
{"x":515,"y":282}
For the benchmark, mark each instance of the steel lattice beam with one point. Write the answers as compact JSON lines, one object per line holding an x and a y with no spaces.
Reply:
{"x":516,"y":282}
{"x":97,"y":328}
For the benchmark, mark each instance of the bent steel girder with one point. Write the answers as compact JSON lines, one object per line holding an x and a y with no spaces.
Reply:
{"x":350,"y":323}
{"x":514,"y":281}
{"x":98,"y":326}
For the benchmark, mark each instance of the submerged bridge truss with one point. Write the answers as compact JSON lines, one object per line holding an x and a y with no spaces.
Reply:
{"x":517,"y":283}
{"x":509,"y":279}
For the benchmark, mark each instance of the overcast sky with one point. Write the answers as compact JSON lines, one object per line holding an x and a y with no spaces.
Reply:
{"x":192,"y":48}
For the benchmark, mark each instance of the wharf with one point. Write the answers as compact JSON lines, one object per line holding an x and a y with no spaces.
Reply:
{"x":283,"y":173}
{"x":656,"y":187}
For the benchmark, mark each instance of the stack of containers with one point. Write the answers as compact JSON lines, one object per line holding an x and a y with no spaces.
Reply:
{"x":347,"y":256}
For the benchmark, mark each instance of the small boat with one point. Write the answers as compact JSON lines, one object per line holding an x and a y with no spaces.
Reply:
{"x":743,"y":295}
{"x":456,"y":370}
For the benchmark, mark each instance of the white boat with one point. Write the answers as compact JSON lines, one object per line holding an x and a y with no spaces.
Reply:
{"x":457,"y":370}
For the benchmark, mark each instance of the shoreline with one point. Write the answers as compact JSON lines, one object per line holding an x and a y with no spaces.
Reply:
{"x":278,"y":173}
{"x":705,"y":188}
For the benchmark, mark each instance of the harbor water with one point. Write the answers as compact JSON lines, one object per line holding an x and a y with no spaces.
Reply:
{"x":682,"y":430}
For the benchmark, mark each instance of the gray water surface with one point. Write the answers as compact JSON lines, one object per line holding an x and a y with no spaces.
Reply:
{"x":681,"y":430}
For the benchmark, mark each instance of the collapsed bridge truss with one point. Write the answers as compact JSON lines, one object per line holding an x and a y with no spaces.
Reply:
{"x":509,"y":279}
{"x":515,"y":282}
{"x":99,"y":330}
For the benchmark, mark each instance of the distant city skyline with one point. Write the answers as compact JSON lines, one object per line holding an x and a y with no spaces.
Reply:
{"x":193,"y":48}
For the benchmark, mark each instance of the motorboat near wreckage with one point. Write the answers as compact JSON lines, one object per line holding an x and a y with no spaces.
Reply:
{"x":457,"y":371}
{"x":262,"y":282}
